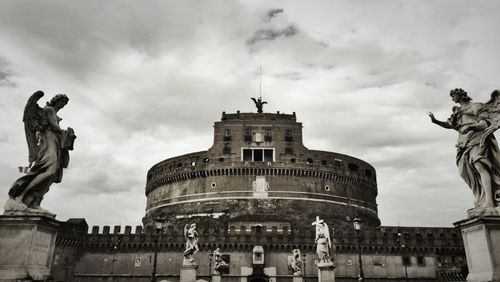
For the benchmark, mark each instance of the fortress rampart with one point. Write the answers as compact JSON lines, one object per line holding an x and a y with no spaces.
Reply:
{"x":384,"y":239}
{"x":259,"y":168}
{"x":126,"y":252}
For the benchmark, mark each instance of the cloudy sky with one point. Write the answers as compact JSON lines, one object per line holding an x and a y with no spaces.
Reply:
{"x":147,"y":79}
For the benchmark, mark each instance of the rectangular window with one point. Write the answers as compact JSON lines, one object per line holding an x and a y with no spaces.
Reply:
{"x":288,"y":135}
{"x":257,"y":155}
{"x":288,"y":148}
{"x":420,"y":260}
{"x":248,"y":135}
{"x":227,"y":148}
{"x":247,"y":155}
{"x":268,"y":135}
{"x":406,"y":261}
{"x":338,"y":163}
{"x":268,"y":155}
{"x":227,"y":134}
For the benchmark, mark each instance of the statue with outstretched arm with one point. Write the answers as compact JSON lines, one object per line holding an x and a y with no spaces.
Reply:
{"x":478,"y":156}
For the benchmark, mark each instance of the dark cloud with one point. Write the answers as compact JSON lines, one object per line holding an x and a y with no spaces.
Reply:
{"x":272,"y":34}
{"x":273,"y":13}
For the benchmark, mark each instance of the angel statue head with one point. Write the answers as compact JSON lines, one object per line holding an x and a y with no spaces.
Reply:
{"x":458,"y":94}
{"x":58,"y":101}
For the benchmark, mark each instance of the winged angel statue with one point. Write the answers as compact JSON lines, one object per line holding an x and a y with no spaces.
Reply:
{"x":478,"y":156}
{"x":48,"y":147}
{"x":323,"y":244}
{"x":259,"y":104}
{"x":191,"y":236}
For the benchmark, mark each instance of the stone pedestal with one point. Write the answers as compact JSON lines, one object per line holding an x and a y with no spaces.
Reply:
{"x":326,"y":272}
{"x":216,"y":277}
{"x":481,"y":237}
{"x":298,"y":279}
{"x":188,"y":273}
{"x":26,"y":246}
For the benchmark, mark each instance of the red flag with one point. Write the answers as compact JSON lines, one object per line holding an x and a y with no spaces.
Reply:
{"x":23,"y":169}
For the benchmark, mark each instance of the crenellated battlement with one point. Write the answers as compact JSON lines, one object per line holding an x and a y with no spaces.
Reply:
{"x":384,"y":239}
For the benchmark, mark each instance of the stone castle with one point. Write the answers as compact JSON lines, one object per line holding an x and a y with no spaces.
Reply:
{"x":254,"y":195}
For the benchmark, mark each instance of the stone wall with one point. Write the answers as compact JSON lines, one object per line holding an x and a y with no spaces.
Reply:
{"x":127,"y":255}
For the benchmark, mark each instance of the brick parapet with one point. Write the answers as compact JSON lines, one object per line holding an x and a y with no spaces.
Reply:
{"x":261,"y":116}
{"x":379,"y":240}
{"x":71,"y":233}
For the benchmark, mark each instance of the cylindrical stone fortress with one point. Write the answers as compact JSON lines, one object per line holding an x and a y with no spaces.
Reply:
{"x":258,"y":173}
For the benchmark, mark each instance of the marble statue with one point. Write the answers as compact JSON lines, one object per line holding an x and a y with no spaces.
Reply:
{"x":478,"y":156}
{"x":295,"y":262}
{"x":323,"y":243}
{"x":191,"y":236}
{"x":49,"y":147}
{"x":220,"y":265}
{"x":259,"y":104}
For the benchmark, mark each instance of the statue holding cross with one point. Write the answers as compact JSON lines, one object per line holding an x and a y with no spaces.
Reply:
{"x":323,"y":242}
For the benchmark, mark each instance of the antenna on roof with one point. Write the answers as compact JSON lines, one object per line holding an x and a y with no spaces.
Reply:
{"x":260,"y":81}
{"x":258,"y":102}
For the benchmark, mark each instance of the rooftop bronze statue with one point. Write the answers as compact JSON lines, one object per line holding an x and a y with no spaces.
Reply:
{"x":49,"y":147}
{"x":478,"y":156}
{"x":259,"y":104}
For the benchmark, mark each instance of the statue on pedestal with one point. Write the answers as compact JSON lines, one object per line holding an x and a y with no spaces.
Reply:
{"x":478,"y":156}
{"x":49,"y":147}
{"x":295,"y":262}
{"x":323,"y":242}
{"x":191,"y":236}
{"x":220,"y":266}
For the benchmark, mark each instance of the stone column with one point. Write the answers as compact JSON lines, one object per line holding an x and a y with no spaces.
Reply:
{"x":188,"y":273}
{"x":26,"y":246}
{"x":326,"y":272}
{"x":481,"y":236}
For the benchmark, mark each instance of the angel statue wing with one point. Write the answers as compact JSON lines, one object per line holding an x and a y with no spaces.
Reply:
{"x":327,"y":235}
{"x":35,"y":120}
{"x":186,"y":229}
{"x":492,"y":111}
{"x":254,"y":100}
